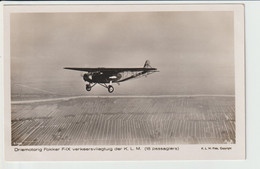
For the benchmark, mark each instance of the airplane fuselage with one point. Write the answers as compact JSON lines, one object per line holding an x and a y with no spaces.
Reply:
{"x":102,"y":77}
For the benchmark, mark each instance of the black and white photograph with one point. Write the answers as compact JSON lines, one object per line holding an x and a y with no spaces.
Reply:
{"x":123,"y":78}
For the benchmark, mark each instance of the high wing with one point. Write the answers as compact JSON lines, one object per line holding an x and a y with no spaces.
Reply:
{"x":111,"y":70}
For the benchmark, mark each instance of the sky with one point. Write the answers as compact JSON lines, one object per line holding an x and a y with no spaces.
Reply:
{"x":194,"y":51}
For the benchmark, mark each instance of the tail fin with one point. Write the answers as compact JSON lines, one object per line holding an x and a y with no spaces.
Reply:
{"x":147,"y":64}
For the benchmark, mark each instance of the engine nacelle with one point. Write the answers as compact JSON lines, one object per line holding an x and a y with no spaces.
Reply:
{"x":87,"y":77}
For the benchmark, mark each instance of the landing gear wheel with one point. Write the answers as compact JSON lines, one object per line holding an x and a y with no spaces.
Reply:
{"x":110,"y":89}
{"x":88,"y":87}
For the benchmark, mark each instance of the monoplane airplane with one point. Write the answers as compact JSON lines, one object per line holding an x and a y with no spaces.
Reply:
{"x":106,"y":76}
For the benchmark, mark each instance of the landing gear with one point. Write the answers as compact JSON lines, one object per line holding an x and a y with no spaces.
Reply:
{"x":110,"y":89}
{"x":88,"y":87}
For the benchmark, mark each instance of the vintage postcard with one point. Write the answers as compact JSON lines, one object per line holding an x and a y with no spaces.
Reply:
{"x":124,"y":82}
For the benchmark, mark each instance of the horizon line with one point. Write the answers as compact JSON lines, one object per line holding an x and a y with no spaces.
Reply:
{"x":117,"y":96}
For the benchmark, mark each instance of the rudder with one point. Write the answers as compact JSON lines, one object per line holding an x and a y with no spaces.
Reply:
{"x":147,"y":64}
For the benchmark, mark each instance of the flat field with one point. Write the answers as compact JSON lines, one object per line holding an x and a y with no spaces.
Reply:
{"x":124,"y":121}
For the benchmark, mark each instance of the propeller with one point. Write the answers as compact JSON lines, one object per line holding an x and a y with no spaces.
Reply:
{"x":82,"y":74}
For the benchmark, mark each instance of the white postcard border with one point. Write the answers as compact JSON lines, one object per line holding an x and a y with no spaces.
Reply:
{"x":185,"y":152}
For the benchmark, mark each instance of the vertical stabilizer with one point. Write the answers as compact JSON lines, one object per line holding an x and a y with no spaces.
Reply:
{"x":147,"y":64}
